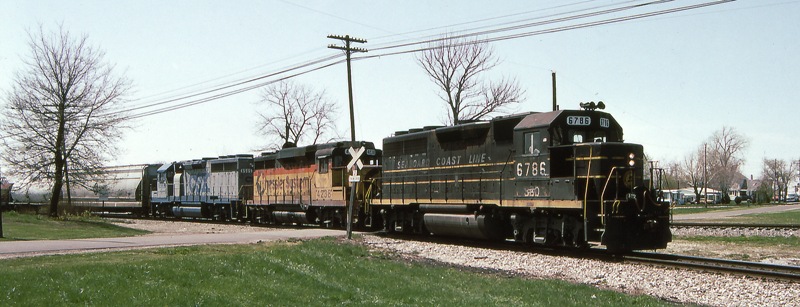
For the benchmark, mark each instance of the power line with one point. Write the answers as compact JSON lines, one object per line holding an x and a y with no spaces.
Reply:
{"x":231,"y":91}
{"x":237,"y":83}
{"x":438,"y":35}
{"x":533,"y":33}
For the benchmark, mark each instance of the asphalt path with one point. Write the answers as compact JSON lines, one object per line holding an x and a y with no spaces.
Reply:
{"x":13,"y":249}
{"x":730,"y":213}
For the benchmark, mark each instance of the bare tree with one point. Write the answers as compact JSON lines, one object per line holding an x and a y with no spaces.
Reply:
{"x":672,"y":179}
{"x":457,"y":66}
{"x":725,"y":157}
{"x":62,"y":113}
{"x":778,"y":173}
{"x":692,"y":172}
{"x":294,"y":113}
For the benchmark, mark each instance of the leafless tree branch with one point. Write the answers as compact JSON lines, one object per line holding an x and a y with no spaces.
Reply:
{"x":457,"y":68}
{"x":59,"y":114}
{"x":292,"y":113}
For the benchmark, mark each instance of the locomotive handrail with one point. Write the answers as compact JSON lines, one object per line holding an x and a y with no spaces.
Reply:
{"x":367,"y":193}
{"x":586,"y":193}
{"x":242,"y":189}
{"x":603,"y":194}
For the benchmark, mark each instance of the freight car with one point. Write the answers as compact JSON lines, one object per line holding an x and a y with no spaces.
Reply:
{"x":119,"y":189}
{"x":560,"y":178}
{"x":114,"y":189}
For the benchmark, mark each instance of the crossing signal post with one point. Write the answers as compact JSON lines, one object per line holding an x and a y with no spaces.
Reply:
{"x":355,"y":165}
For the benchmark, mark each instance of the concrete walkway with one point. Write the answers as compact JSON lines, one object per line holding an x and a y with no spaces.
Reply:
{"x":730,"y":213}
{"x":13,"y":249}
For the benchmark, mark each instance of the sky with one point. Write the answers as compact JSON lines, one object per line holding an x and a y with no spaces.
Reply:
{"x":670,"y":80}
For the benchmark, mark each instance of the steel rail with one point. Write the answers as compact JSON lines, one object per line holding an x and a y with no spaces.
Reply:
{"x":756,"y":269}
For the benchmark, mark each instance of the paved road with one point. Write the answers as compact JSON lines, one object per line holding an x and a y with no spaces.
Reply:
{"x":724,"y":214}
{"x":13,"y":249}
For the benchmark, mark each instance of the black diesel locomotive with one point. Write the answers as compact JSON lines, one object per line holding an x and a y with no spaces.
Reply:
{"x":560,"y":178}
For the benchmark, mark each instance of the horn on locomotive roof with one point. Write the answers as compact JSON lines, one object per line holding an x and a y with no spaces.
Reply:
{"x":591,"y":106}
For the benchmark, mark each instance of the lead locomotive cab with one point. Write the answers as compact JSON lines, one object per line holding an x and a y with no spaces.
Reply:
{"x":583,"y":184}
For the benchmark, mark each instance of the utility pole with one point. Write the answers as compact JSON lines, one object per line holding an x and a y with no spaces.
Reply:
{"x":349,"y":50}
{"x":555,"y":105}
{"x":705,"y":178}
{"x":354,"y":179}
{"x":1,"y":202}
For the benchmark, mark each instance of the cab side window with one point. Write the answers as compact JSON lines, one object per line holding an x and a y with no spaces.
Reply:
{"x":323,"y":165}
{"x":533,"y":143}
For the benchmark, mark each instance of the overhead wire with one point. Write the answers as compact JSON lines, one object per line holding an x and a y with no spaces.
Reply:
{"x":488,"y":19}
{"x":173,"y":91}
{"x":439,"y":35}
{"x":236,"y":91}
{"x":300,"y":65}
{"x":529,"y":33}
{"x":232,"y":88}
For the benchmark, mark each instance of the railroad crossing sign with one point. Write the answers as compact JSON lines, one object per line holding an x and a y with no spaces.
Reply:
{"x":356,"y":158}
{"x":355,"y":165}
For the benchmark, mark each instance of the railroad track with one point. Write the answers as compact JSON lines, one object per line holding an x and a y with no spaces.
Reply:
{"x":755,"y":269}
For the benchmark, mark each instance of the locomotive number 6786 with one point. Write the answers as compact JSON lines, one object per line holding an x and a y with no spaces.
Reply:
{"x":526,"y":169}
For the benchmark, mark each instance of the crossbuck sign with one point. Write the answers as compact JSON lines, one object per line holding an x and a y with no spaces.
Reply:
{"x":356,"y":158}
{"x":355,"y":162}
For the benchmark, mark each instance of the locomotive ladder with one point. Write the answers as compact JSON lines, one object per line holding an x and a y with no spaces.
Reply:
{"x":594,"y":223}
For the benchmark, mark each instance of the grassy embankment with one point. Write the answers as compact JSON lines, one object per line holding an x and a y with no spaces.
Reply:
{"x":318,"y":273}
{"x":18,"y":226}
{"x":786,"y":217}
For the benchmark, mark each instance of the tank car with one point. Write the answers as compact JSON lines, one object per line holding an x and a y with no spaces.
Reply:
{"x":125,"y":188}
{"x":118,"y":189}
{"x":309,"y":184}
{"x":560,"y":178}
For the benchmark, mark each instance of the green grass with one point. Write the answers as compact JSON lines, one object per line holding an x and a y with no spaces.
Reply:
{"x":781,"y":218}
{"x":18,"y":226}
{"x":701,"y":209}
{"x":785,"y":217}
{"x":317,"y":273}
{"x":788,"y":242}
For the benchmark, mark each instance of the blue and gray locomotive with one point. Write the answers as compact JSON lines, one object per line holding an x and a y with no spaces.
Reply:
{"x":560,"y":178}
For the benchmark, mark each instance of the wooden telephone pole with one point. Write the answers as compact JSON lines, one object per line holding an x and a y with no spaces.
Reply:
{"x":348,"y":50}
{"x":355,"y":178}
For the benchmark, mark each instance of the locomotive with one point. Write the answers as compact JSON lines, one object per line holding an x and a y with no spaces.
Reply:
{"x":560,"y":178}
{"x":563,"y":178}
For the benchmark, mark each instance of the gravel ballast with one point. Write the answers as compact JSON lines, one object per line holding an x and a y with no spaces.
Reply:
{"x":671,"y":284}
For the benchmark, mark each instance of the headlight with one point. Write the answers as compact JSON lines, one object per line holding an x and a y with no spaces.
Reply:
{"x":631,"y":162}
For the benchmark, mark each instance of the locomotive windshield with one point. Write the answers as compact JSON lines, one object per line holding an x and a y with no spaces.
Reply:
{"x":566,"y":132}
{"x":583,"y":136}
